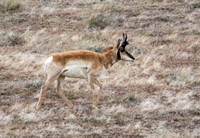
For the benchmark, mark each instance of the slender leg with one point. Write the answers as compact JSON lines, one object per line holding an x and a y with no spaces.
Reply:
{"x":48,"y":82}
{"x":100,"y":91}
{"x":60,"y":93}
{"x":91,"y":81}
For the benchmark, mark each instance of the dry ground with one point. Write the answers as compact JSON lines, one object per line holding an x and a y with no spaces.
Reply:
{"x":156,"y":96}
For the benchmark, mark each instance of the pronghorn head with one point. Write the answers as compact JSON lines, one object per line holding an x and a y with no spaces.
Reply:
{"x":122,"y":54}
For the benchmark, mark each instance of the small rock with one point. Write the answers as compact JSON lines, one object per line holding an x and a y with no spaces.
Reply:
{"x":75,"y":38}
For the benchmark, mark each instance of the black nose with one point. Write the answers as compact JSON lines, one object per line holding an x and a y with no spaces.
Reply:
{"x":132,"y":58}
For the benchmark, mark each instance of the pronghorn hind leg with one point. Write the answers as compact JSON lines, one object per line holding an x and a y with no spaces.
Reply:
{"x":100,"y":91}
{"x":49,"y":81}
{"x":60,"y":93}
{"x":91,"y":81}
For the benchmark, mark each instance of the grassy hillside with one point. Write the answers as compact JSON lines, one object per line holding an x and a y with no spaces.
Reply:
{"x":156,"y":96}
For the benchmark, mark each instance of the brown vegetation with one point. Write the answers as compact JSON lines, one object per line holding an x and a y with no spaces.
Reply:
{"x":156,"y":96}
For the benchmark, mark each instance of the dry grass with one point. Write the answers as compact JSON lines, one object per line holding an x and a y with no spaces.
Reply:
{"x":11,"y":5}
{"x":156,"y":96}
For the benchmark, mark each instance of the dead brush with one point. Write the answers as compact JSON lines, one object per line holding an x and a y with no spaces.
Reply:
{"x":34,"y":84}
{"x":13,"y":38}
{"x":71,"y":96}
{"x":95,"y":49}
{"x":104,"y":16}
{"x":150,"y":88}
{"x":131,"y":98}
{"x":11,"y":5}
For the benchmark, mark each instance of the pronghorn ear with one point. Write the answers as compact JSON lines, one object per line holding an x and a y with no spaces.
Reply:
{"x":118,"y":43}
{"x":125,"y":37}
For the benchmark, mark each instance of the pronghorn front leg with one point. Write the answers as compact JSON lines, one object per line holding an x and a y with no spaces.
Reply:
{"x":100,"y":91}
{"x":60,"y":93}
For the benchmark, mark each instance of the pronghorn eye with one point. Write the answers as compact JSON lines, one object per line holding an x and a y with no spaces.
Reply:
{"x":122,"y":50}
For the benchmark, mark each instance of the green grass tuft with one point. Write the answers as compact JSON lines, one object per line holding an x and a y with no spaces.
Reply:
{"x":95,"y":49}
{"x":11,"y":5}
{"x":71,"y":96}
{"x":104,"y":16}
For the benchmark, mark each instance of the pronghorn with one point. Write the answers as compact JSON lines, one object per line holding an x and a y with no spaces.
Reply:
{"x":82,"y":64}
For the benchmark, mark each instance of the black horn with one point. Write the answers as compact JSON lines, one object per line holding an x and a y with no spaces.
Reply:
{"x":125,"y":37}
{"x":124,"y":41}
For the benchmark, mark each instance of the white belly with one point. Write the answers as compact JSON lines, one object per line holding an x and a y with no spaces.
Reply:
{"x":77,"y":69}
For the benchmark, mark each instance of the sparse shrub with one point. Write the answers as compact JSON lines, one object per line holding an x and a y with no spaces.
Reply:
{"x":162,"y":18}
{"x":105,"y":16}
{"x":131,"y":98}
{"x":196,"y":5}
{"x":5,"y":75}
{"x":18,"y":19}
{"x":34,"y":84}
{"x":157,"y":1}
{"x":150,"y":88}
{"x":92,"y":37}
{"x":121,"y":119}
{"x":2,"y":38}
{"x":97,"y":21}
{"x":71,"y":96}
{"x":161,"y":42}
{"x":193,"y":84}
{"x":11,"y":4}
{"x":166,"y":42}
{"x":171,"y":75}
{"x":13,"y":38}
{"x":178,"y":78}
{"x":95,"y":49}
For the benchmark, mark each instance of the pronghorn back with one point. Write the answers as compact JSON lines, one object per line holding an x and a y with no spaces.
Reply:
{"x":63,"y":58}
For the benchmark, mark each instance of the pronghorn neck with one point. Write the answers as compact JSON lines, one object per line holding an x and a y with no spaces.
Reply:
{"x":109,"y":58}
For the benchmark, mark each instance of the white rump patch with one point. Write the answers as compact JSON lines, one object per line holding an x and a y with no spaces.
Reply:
{"x":48,"y":62}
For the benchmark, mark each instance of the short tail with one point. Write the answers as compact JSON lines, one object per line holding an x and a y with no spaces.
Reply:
{"x":47,"y":63}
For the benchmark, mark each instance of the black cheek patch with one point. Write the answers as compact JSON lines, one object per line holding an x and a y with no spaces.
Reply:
{"x":118,"y":55}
